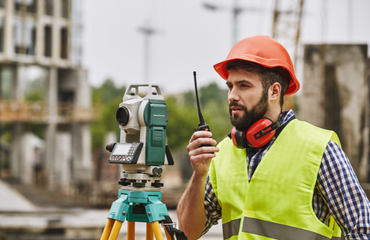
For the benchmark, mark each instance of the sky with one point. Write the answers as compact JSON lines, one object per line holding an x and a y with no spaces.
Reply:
{"x":188,"y":37}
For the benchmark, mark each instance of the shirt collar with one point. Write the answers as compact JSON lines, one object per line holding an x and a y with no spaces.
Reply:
{"x":287,"y":116}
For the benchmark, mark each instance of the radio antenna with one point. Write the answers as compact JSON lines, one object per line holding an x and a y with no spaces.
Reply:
{"x":201,"y":119}
{"x":202,"y":126}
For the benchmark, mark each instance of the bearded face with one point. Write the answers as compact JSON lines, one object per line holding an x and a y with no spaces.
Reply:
{"x":249,"y":117}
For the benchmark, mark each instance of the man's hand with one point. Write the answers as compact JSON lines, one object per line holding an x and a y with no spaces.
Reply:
{"x":190,"y":210}
{"x":201,"y":156}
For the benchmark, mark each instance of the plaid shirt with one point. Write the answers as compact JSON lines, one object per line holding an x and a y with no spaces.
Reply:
{"x":337,"y":192}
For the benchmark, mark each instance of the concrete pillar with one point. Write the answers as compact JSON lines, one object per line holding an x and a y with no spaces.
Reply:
{"x":83,"y":90}
{"x":16,"y":153}
{"x":83,"y":100}
{"x":52,"y":93}
{"x":18,"y":82}
{"x":28,"y":163}
{"x":62,"y":161}
{"x":39,"y":52}
{"x":312,"y":99}
{"x":55,"y":52}
{"x":50,"y":155}
{"x":335,"y":96}
{"x":76,"y":81}
{"x":17,"y":156}
{"x":52,"y":100}
{"x":81,"y":147}
{"x":8,"y":30}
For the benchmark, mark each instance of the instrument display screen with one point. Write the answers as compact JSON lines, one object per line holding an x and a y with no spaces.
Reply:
{"x":122,"y":149}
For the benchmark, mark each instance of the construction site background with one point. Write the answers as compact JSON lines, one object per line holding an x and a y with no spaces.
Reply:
{"x":55,"y":179}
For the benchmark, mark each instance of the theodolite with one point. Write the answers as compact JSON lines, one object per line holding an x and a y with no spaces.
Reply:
{"x":142,"y":151}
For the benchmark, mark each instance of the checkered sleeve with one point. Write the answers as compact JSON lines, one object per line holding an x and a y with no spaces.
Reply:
{"x":340,"y":188}
{"x":212,"y":208}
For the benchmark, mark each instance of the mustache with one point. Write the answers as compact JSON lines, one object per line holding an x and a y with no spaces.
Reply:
{"x":234,"y":104}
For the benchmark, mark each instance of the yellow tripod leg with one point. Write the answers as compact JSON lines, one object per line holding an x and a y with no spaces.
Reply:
{"x":149,"y":232}
{"x":130,"y":230}
{"x":107,"y":229}
{"x":157,"y":230}
{"x":115,"y":231}
{"x":168,"y":236}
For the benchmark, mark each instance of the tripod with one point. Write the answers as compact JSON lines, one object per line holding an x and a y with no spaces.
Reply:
{"x":139,"y":206}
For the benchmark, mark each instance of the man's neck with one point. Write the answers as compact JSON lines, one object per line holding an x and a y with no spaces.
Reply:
{"x":273,"y":113}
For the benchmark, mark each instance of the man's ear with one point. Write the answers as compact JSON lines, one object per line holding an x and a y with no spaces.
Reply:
{"x":275,"y":91}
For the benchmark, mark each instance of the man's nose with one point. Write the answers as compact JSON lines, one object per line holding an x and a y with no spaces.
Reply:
{"x":233,"y":95}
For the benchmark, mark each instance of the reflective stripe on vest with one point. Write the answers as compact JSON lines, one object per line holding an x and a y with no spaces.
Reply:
{"x":231,"y":228}
{"x":270,"y":230}
{"x":279,"y":231}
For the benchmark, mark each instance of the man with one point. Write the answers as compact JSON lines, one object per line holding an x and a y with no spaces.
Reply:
{"x":288,"y":179}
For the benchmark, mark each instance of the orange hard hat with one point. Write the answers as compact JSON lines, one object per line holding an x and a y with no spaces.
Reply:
{"x":262,"y":50}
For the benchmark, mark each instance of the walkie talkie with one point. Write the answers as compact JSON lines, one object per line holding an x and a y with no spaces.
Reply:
{"x":202,"y":126}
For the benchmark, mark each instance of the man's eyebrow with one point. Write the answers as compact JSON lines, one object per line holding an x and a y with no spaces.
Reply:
{"x":243,"y":81}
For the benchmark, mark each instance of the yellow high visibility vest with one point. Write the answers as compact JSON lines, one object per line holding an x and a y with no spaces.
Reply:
{"x":277,"y":202}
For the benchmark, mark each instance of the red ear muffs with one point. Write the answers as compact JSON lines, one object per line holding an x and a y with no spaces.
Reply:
{"x":238,"y":137}
{"x":258,"y":135}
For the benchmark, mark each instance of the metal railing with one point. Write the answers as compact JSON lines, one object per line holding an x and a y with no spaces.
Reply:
{"x":21,"y":111}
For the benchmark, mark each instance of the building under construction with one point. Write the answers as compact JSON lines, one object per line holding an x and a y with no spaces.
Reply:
{"x":45,"y":35}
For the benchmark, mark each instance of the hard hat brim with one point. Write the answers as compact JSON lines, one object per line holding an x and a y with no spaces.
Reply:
{"x":271,"y":63}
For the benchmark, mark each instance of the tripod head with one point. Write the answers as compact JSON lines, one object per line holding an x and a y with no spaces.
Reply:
{"x":142,"y":117}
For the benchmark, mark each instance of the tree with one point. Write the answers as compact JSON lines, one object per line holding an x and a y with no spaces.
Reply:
{"x":107,"y":92}
{"x":182,"y":122}
{"x":35,"y":91}
{"x":184,"y":118}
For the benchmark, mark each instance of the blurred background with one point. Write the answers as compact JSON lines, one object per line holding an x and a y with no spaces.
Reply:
{"x":65,"y":64}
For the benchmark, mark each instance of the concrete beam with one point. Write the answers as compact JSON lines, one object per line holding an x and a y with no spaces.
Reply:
{"x":335,"y":96}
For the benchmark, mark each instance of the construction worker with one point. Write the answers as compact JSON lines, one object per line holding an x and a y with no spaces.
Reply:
{"x":275,"y":177}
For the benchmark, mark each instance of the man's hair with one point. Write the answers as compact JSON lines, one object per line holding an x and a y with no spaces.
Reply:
{"x":268,"y":76}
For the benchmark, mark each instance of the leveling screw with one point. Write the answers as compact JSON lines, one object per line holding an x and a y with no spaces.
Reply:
{"x":124,"y":212}
{"x":149,"y":213}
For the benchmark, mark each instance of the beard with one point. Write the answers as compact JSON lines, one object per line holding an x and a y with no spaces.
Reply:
{"x":250,"y":117}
